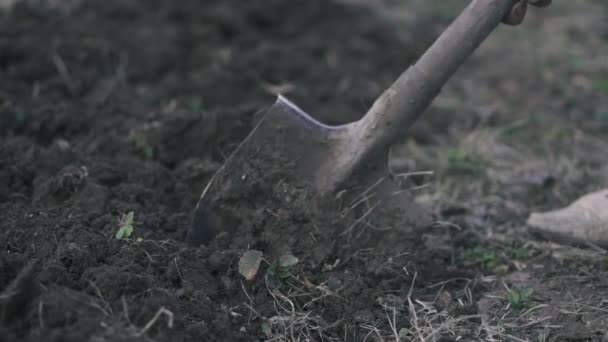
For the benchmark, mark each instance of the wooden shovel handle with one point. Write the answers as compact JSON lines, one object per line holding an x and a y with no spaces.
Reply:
{"x":407,"y":98}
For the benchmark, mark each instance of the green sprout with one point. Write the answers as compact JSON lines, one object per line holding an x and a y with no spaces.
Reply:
{"x":280,"y":271}
{"x":277,"y":275}
{"x":488,"y":258}
{"x":518,"y":298}
{"x":462,"y":162}
{"x":517,"y":251}
{"x":125,"y":226}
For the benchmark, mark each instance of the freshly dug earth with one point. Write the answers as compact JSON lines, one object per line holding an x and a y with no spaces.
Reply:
{"x":111,"y":107}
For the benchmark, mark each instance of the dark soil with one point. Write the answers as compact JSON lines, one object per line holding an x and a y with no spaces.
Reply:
{"x":110,"y":107}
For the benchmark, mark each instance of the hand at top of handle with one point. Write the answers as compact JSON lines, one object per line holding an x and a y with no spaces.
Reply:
{"x":518,"y":11}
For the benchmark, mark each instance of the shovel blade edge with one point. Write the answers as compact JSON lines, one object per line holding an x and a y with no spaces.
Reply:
{"x":279,"y":161}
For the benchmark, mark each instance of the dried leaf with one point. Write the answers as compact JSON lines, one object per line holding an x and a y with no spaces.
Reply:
{"x":250,"y":263}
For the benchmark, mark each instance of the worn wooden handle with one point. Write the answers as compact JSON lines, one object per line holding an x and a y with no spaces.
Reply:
{"x":407,"y":98}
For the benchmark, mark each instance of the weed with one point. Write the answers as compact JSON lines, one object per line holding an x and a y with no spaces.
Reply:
{"x":488,"y":259}
{"x":463,"y":162}
{"x":496,"y":260}
{"x":601,"y":84}
{"x":277,"y":275}
{"x":517,"y":251}
{"x":125,"y":223}
{"x":518,"y":298}
{"x":278,"y":272}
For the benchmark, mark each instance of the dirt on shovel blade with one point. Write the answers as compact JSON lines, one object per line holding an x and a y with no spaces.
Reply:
{"x":112,"y":107}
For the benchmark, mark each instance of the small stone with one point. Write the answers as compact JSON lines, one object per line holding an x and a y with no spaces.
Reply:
{"x":443,"y":301}
{"x":62,"y":144}
{"x":69,"y":181}
{"x":364,"y":316}
{"x":391,"y":301}
{"x":288,"y":260}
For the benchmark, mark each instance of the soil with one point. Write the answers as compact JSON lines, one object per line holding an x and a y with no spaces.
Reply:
{"x":111,"y":107}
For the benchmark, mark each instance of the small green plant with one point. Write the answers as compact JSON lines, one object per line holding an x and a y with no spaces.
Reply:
{"x":487,"y":258}
{"x":601,"y":84}
{"x":280,"y":271}
{"x":125,"y":223}
{"x":518,"y":298}
{"x":517,"y":251}
{"x":460,"y":161}
{"x":278,"y":275}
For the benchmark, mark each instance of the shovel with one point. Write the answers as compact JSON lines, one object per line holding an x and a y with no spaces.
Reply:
{"x":289,"y":156}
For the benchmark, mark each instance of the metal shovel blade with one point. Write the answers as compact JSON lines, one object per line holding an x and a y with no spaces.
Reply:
{"x":286,"y":148}
{"x":289,"y":155}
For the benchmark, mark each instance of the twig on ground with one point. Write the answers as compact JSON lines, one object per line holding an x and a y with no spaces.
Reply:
{"x":161,"y":311}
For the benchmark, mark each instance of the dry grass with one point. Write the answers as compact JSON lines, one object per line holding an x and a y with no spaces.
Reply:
{"x":292,"y":320}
